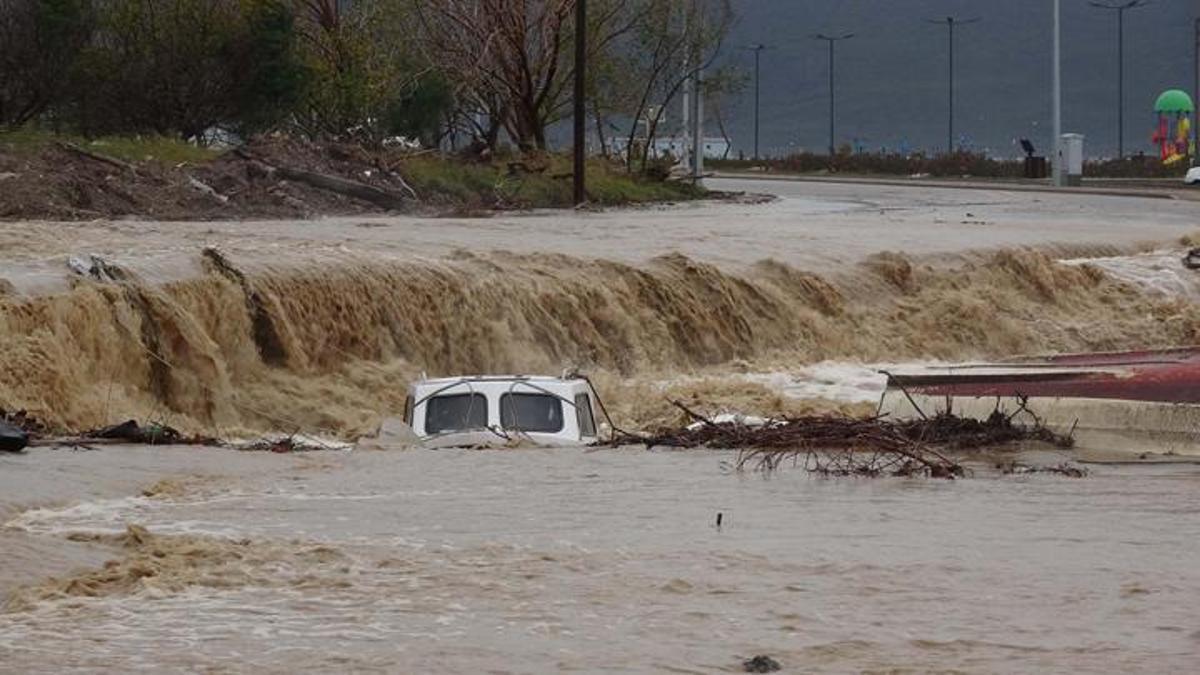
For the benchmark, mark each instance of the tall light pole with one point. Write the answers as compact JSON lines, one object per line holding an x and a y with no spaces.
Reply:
{"x":950,"y":22}
{"x":1060,"y":175}
{"x":832,"y":40}
{"x":757,"y":49}
{"x":580,"y":95}
{"x":1120,"y":9}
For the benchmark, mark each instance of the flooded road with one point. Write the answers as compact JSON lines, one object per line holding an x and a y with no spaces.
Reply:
{"x":818,"y":227}
{"x":533,"y":561}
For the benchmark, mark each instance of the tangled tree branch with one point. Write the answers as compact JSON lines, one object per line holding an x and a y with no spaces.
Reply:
{"x":845,"y":446}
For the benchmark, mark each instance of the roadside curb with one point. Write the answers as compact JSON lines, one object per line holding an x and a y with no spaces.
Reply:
{"x":949,"y":185}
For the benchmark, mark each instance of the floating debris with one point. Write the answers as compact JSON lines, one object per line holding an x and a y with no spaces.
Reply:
{"x":1019,"y":469}
{"x":12,"y":439}
{"x":290,"y":443}
{"x":761,"y":664}
{"x":845,"y":446}
{"x":23,"y":421}
{"x":129,"y":432}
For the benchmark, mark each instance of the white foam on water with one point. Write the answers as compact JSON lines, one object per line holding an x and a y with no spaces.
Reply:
{"x":1159,"y":272}
{"x":832,"y":380}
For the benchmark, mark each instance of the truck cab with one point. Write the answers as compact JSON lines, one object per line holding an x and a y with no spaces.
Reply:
{"x":496,"y":410}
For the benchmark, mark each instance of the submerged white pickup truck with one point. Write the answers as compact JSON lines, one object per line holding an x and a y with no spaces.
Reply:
{"x":497,"y":410}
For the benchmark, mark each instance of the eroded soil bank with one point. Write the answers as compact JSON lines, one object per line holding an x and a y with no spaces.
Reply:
{"x":56,"y":178}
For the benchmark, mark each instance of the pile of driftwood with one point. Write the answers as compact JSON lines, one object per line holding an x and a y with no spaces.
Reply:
{"x":846,"y":446}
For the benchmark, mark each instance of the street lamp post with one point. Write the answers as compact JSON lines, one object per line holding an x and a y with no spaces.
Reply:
{"x":950,"y":22}
{"x":1059,"y":173}
{"x":1120,"y":9}
{"x":832,"y":40}
{"x":580,"y":187}
{"x":757,"y":49}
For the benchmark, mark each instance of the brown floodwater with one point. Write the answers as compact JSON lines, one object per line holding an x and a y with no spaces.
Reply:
{"x":534,"y":561}
{"x":529,"y":561}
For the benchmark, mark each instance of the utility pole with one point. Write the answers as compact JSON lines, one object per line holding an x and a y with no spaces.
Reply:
{"x":698,"y":120}
{"x":1060,"y":174}
{"x":1120,"y":9}
{"x":950,"y":22}
{"x":832,"y":40}
{"x":757,"y":49}
{"x":580,"y":96}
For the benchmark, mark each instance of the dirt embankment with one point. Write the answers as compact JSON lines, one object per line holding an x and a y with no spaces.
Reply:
{"x":285,"y":178}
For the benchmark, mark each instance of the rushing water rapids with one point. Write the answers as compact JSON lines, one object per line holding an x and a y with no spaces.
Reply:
{"x":542,"y":560}
{"x":329,"y":347}
{"x":186,"y":559}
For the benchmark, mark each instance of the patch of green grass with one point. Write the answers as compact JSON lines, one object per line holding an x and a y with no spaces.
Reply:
{"x":544,"y":182}
{"x":457,"y":181}
{"x":128,"y":148}
{"x":153,"y":148}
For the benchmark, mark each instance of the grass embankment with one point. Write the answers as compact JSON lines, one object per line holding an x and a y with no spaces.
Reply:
{"x":542,"y":181}
{"x":133,"y":149}
{"x":46,"y":177}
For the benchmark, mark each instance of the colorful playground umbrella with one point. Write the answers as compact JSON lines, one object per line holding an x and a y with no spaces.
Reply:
{"x":1174,"y":101}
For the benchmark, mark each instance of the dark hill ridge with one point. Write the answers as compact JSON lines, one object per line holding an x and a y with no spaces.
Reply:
{"x":892,"y":76}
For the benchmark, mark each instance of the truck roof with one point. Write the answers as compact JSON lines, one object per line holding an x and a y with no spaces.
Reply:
{"x":539,"y":379}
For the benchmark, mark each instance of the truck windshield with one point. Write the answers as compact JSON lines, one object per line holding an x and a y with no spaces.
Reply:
{"x":455,"y":412}
{"x":531,"y":412}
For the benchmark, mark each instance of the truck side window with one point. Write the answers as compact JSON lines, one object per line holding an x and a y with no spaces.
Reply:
{"x":583,"y":410}
{"x":455,"y":412}
{"x":531,"y":412}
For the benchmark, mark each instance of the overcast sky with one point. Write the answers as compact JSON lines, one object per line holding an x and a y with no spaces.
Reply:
{"x":892,"y":77}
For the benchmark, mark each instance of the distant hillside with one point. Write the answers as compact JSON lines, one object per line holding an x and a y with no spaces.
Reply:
{"x":892,"y":77}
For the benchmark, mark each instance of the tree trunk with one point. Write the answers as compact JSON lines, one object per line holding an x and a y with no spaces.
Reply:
{"x":600,"y":130}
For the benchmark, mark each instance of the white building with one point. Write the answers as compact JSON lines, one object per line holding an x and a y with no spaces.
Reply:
{"x":715,"y":147}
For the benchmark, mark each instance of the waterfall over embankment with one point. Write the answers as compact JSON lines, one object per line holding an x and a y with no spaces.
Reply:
{"x":248,"y":347}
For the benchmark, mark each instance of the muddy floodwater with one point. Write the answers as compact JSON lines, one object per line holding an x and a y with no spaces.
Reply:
{"x":126,"y":559}
{"x":535,"y":561}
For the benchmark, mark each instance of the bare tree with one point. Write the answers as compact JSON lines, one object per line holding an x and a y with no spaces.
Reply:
{"x":718,"y":86}
{"x":670,"y":42}
{"x":510,"y":58}
{"x":503,"y":50}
